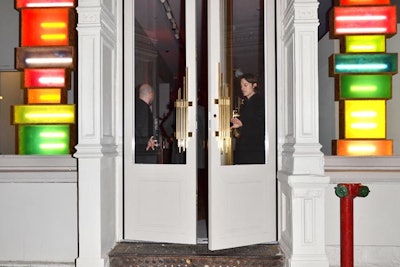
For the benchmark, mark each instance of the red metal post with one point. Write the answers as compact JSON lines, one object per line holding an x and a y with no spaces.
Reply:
{"x":347,"y":193}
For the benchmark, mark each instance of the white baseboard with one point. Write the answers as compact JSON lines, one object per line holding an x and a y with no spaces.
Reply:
{"x":367,"y":256}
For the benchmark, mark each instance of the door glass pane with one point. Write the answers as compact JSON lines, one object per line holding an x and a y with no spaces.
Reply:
{"x":241,"y":88}
{"x":160,"y":83}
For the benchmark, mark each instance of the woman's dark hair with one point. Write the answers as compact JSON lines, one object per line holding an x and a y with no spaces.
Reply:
{"x":251,"y":78}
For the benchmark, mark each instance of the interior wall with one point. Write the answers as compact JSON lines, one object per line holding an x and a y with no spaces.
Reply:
{"x":9,"y":28}
{"x":12,"y":94}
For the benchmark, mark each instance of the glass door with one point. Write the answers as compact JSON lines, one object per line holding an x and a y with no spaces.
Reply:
{"x":160,"y":121}
{"x":242,"y":171}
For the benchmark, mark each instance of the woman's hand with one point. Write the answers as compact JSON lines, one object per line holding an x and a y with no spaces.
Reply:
{"x":236,"y":123}
{"x":152,"y":143}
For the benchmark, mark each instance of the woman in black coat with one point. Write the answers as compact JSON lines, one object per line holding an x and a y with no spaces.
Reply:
{"x":250,"y":148}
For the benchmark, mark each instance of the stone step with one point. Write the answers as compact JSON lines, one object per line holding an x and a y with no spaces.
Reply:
{"x":132,"y":254}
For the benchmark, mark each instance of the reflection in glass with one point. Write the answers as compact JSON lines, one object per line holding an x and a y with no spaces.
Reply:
{"x":241,"y":96}
{"x":160,"y":68}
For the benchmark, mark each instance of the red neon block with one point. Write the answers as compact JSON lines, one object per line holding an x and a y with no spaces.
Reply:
{"x":363,"y":2}
{"x":46,"y":26}
{"x":348,"y":147}
{"x":364,"y":20}
{"x":41,"y":78}
{"x":45,"y":3}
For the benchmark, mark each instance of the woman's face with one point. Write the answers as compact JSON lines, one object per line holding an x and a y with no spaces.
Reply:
{"x":248,"y":89}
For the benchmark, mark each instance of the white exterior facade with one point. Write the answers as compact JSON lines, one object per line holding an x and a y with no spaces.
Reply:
{"x":85,"y":207}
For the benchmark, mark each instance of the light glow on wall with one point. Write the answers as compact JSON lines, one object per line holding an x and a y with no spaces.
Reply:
{"x":45,"y":26}
{"x":364,"y":147}
{"x":365,"y":43}
{"x":43,"y":139}
{"x":363,"y":2}
{"x":45,"y":78}
{"x":44,"y":3}
{"x":364,"y":119}
{"x":365,"y":63}
{"x":364,"y":20}
{"x":372,"y":86}
{"x":363,"y":75}
{"x":45,"y":57}
{"x":44,"y":96}
{"x":44,"y":114}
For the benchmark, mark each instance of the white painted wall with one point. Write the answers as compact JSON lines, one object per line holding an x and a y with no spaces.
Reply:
{"x":376,"y":217}
{"x":38,"y":207}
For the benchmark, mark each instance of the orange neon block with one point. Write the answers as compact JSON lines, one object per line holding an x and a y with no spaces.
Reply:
{"x":46,"y":26}
{"x":363,"y":2}
{"x":45,"y":3}
{"x":45,"y":78}
{"x":363,"y":119}
{"x":363,"y":147}
{"x":44,"y":96}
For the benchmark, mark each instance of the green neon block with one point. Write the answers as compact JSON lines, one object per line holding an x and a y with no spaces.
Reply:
{"x":43,"y":139}
{"x":365,"y":43}
{"x":381,"y":63}
{"x":366,"y":86}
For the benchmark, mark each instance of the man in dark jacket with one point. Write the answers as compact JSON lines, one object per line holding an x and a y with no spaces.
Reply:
{"x":145,"y":144}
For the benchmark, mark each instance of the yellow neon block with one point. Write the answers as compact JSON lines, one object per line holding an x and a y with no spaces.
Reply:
{"x":44,"y":96}
{"x":363,"y":147}
{"x":39,"y":114}
{"x":365,"y":43}
{"x":365,"y":119}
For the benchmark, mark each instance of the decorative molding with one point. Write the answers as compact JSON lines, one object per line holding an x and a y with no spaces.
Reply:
{"x":306,"y":13}
{"x":38,"y":169}
{"x":88,"y":16}
{"x":363,"y":169}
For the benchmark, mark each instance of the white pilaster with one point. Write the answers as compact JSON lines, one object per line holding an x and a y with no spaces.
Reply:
{"x":301,"y":163}
{"x":99,"y":130}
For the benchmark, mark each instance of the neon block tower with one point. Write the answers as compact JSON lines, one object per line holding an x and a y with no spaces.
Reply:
{"x":47,"y":56}
{"x":363,"y":75}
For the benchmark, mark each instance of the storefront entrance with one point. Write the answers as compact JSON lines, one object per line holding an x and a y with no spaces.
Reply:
{"x":183,"y":180}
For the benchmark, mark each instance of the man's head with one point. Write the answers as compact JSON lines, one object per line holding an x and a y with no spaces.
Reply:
{"x":146,"y":93}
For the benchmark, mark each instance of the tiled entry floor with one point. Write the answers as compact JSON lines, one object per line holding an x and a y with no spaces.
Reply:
{"x":131,"y":254}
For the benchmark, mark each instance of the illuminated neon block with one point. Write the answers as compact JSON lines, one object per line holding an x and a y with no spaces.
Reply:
{"x":45,"y":3}
{"x":44,"y":114}
{"x":43,"y":139}
{"x":44,"y":96}
{"x":365,"y":86}
{"x":363,"y":2}
{"x":364,"y":20}
{"x":362,"y":119}
{"x":47,"y":26}
{"x":364,"y":63}
{"x":45,"y":57}
{"x":365,"y":43}
{"x":41,"y":78}
{"x":363,"y":147}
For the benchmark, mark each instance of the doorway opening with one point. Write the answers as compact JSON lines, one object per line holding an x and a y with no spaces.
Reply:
{"x":181,"y":147}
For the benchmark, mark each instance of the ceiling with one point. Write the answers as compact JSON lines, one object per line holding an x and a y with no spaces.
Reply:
{"x":152,"y":16}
